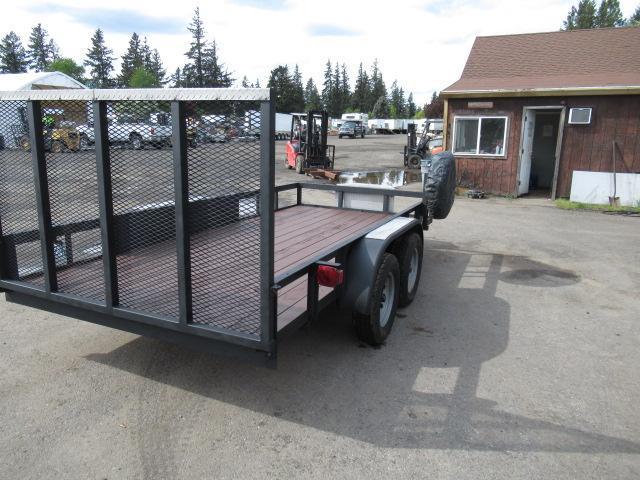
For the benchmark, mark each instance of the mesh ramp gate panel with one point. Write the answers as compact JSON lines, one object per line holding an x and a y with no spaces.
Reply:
{"x":221,"y":239}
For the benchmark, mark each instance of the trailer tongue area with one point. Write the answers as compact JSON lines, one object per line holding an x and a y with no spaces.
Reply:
{"x":187,"y":242}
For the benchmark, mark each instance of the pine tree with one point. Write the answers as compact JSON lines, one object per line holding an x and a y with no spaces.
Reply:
{"x":215,"y":75}
{"x":312,"y":99}
{"x":327,"y":86}
{"x":297,"y":99}
{"x":381,"y":108}
{"x":635,"y":18}
{"x":132,"y":60}
{"x":378,"y":88}
{"x":176,"y":79}
{"x":397,"y":107}
{"x":257,"y":84}
{"x":204,"y":68}
{"x":13,"y":56}
{"x":360,"y":100}
{"x":245,"y":82}
{"x":584,"y":16}
{"x":335,"y":106}
{"x":155,"y":67}
{"x":41,"y":51}
{"x":282,"y":85}
{"x":411,"y":106}
{"x":345,"y":89}
{"x":610,"y":14}
{"x":194,"y":71}
{"x":99,"y":61}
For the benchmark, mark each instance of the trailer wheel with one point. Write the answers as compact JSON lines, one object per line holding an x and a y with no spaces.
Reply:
{"x":374,"y":326}
{"x":414,"y":161}
{"x":409,"y":254}
{"x":300,"y":164}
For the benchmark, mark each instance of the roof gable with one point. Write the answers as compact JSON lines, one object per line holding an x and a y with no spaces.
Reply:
{"x":605,"y":58}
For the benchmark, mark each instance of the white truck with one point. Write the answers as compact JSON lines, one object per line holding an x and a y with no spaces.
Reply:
{"x":128,"y":131}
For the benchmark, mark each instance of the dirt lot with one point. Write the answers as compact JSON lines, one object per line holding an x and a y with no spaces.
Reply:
{"x":518,"y":359}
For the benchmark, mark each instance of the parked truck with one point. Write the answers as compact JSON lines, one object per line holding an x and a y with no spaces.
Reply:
{"x":199,"y":250}
{"x":129,"y":131}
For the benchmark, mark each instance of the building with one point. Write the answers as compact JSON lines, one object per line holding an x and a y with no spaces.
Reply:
{"x":14,"y":125}
{"x":531,"y":109}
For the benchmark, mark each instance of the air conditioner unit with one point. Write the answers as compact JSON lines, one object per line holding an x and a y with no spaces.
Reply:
{"x":579,"y":116}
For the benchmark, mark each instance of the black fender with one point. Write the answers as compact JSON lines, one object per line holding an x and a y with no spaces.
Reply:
{"x":364,"y":260}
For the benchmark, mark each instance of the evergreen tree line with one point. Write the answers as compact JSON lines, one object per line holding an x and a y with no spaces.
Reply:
{"x":587,"y":14}
{"x":142,"y":67}
{"x":335,"y":95}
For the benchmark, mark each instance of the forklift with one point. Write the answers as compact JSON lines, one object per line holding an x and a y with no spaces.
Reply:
{"x":415,"y":152}
{"x":307,"y":147}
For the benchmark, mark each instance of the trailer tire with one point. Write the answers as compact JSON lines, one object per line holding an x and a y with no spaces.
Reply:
{"x":374,"y":326}
{"x":409,"y":252}
{"x":300,"y":164}
{"x":440,"y":184}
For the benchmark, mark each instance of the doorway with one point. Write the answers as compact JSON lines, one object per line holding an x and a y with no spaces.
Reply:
{"x":540,"y":150}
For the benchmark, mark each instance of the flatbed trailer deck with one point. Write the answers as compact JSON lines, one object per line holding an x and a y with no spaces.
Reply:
{"x":186,"y":245}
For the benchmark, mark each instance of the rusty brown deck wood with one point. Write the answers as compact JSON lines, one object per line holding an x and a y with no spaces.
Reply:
{"x":301,"y":233}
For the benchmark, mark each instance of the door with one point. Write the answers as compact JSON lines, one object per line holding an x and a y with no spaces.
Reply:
{"x":526,"y":150}
{"x":543,"y":154}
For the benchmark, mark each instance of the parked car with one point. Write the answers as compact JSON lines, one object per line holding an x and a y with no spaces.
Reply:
{"x":127,"y":130}
{"x":352,"y":128}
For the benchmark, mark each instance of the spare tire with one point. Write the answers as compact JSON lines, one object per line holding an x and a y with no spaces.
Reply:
{"x":440,"y":184}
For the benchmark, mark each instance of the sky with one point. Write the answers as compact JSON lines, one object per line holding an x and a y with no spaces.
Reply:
{"x":423,"y":44}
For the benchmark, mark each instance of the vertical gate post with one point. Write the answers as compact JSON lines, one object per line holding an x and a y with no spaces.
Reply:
{"x":181,"y":190}
{"x":36,"y":140}
{"x":268,"y":297}
{"x":3,"y":255}
{"x":105,"y":201}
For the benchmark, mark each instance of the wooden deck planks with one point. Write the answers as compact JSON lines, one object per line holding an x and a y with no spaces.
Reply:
{"x":302,"y":232}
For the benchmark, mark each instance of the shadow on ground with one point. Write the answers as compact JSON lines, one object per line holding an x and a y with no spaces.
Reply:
{"x":390,"y":397}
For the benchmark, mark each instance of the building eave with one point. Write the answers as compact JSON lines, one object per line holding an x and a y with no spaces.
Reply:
{"x":543,"y":92}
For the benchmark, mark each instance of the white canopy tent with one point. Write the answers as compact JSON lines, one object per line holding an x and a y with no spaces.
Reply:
{"x":13,"y":121}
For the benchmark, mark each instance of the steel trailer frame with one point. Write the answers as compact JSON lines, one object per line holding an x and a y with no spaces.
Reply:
{"x":181,"y":330}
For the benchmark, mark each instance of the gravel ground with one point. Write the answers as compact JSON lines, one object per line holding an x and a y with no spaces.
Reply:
{"x":518,"y":359}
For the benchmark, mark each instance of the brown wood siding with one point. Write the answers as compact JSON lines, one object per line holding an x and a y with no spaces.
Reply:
{"x":584,"y":147}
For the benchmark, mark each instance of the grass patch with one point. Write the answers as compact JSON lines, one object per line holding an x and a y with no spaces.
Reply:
{"x":569,"y":205}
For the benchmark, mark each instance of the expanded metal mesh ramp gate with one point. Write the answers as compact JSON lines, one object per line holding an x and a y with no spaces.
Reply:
{"x":145,"y":207}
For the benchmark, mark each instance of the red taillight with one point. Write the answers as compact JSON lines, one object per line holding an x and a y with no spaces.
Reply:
{"x":329,"y":276}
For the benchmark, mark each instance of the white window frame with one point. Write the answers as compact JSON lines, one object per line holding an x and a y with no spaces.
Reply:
{"x":480,"y":118}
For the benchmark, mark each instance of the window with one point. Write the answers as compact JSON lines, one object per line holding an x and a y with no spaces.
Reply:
{"x":480,"y":135}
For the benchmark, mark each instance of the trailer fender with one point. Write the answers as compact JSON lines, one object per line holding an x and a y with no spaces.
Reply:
{"x":365,"y":257}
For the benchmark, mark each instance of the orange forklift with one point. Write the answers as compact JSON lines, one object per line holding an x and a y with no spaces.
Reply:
{"x":307,"y":147}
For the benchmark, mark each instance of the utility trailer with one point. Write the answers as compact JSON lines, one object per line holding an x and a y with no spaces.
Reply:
{"x":192,"y":245}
